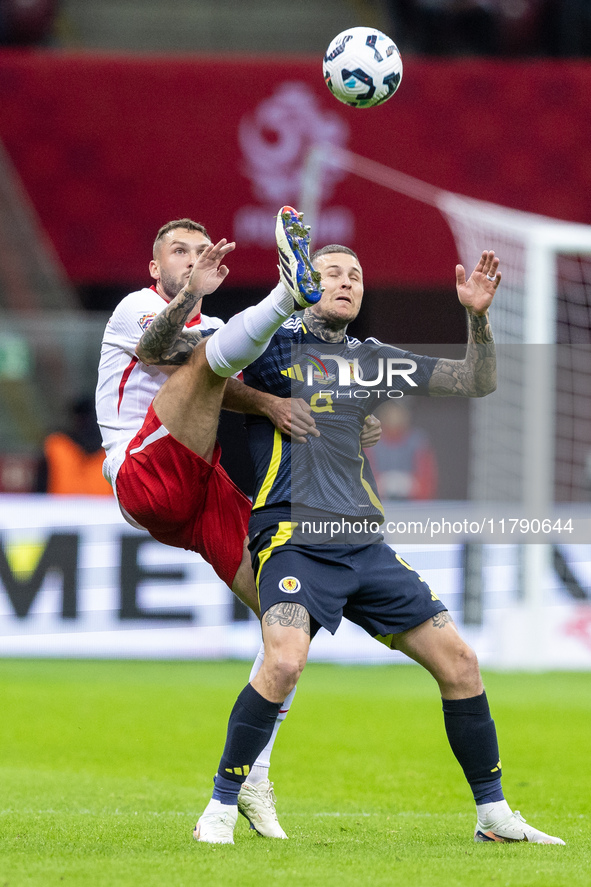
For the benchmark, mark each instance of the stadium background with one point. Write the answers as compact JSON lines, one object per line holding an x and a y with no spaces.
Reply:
{"x":117,"y":117}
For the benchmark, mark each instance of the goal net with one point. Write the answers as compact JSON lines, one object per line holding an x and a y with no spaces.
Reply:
{"x":535,"y":433}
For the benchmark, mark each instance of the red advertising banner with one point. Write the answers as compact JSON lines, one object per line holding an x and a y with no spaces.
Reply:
{"x":110,"y":147}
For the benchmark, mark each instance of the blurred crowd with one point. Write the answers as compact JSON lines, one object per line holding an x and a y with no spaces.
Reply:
{"x":27,"y":22}
{"x":510,"y":28}
{"x":493,"y":27}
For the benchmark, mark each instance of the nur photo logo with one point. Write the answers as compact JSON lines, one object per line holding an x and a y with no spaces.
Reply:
{"x":388,"y":371}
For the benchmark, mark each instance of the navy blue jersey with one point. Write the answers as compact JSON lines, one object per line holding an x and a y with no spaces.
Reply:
{"x":343,"y":383}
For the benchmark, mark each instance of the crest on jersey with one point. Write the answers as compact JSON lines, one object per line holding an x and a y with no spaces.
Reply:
{"x":145,"y":320}
{"x":290,"y":584}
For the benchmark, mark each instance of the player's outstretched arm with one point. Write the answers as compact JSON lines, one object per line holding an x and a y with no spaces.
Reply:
{"x":165,"y":342}
{"x":476,"y":375}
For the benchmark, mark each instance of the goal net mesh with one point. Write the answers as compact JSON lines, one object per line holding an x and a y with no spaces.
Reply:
{"x":544,"y":363}
{"x":573,"y":378}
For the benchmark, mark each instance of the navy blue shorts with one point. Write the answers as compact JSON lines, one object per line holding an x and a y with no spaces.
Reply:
{"x":370,"y":584}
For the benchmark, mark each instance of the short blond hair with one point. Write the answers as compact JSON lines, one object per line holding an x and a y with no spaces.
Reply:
{"x":185,"y":224}
{"x":332,"y":248}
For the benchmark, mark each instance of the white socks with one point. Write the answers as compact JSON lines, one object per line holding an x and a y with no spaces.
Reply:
{"x":490,"y":814}
{"x":260,"y":769}
{"x":246,"y":335}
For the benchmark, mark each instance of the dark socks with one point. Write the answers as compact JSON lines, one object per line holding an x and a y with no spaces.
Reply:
{"x":473,"y":739}
{"x":249,"y":729}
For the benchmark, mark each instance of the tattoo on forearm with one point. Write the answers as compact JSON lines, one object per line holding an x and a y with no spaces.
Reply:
{"x":181,"y":349}
{"x":441,"y":619}
{"x":288,"y":616}
{"x":479,"y":330}
{"x":476,"y":375}
{"x":164,"y":341}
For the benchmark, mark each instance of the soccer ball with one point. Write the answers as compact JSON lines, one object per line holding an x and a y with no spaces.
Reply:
{"x":362,"y":67}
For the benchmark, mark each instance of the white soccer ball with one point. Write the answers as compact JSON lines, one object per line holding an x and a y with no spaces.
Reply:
{"x":362,"y":67}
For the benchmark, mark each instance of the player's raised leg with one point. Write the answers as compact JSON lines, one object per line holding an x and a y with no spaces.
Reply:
{"x":247,"y":334}
{"x":188,"y":404}
{"x":437,"y":645}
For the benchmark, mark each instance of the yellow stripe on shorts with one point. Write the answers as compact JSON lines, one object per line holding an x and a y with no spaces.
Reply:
{"x":271,"y":471}
{"x":285,"y":530}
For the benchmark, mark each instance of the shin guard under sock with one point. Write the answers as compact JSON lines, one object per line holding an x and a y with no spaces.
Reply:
{"x":249,"y":730}
{"x":473,"y":739}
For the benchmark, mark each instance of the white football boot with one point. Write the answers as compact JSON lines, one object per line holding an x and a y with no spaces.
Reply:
{"x":510,"y":828}
{"x":216,"y":824}
{"x":257,"y":804}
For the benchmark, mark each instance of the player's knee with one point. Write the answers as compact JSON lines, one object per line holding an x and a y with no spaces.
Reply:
{"x":459,"y":675}
{"x":468,"y":661}
{"x":290,"y":665}
{"x":285,"y":667}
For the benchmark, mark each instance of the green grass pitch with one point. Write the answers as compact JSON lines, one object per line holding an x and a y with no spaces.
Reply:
{"x":105,"y":766}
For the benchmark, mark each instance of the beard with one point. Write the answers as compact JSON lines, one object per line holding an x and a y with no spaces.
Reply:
{"x":171,"y":285}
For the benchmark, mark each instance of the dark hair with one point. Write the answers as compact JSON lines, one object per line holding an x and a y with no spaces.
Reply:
{"x":332,"y":248}
{"x":186,"y":224}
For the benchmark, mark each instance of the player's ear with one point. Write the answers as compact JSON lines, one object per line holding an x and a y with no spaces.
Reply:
{"x":154,"y":271}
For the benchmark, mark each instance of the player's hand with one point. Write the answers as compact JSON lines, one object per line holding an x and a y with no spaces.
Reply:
{"x":371,"y":432}
{"x":207,"y":272}
{"x":476,"y":293}
{"x":293,"y":416}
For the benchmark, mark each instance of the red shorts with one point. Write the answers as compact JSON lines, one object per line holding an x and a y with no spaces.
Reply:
{"x":182,"y":500}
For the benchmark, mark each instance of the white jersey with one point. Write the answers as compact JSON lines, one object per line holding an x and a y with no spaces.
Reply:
{"x":126,"y":386}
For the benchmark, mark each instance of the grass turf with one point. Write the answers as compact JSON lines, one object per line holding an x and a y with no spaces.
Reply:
{"x":105,"y":766}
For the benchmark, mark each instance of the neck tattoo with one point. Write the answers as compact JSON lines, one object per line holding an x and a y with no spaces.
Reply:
{"x":322,"y":329}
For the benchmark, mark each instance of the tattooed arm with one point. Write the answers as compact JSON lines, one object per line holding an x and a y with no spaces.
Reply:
{"x":165,"y":341}
{"x":476,"y":375}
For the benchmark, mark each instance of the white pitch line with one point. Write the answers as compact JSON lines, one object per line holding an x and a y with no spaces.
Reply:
{"x":117,"y":812}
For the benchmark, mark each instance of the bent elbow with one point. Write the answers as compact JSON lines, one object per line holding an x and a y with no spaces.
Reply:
{"x":492,"y":384}
{"x":144,"y":356}
{"x":485,"y":391}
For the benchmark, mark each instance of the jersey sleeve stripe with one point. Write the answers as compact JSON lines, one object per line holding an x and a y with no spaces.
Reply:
{"x":124,"y":378}
{"x":271,"y":471}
